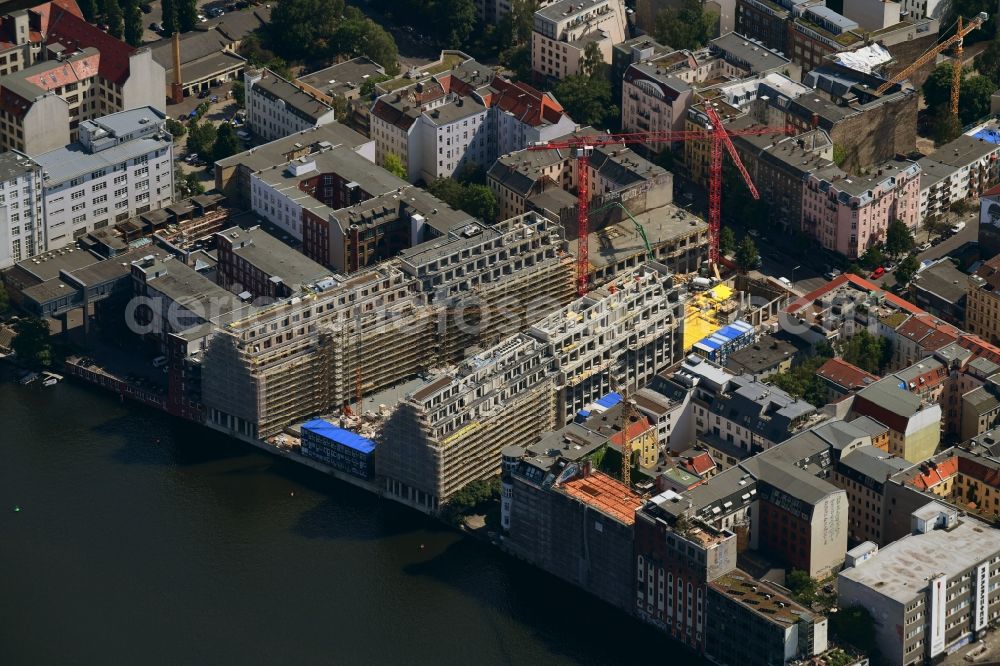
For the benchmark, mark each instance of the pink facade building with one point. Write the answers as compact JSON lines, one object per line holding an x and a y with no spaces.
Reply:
{"x":849,"y":214}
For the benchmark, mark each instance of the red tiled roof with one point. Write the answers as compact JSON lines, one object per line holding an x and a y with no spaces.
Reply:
{"x":70,"y":30}
{"x":699,"y":464}
{"x":928,"y":477}
{"x":634,"y":430}
{"x":67,"y":71}
{"x":392,"y":115}
{"x":527,"y":104}
{"x":845,"y":374}
{"x":979,"y":347}
{"x":859,"y":283}
{"x":928,"y":331}
{"x":605,"y":494}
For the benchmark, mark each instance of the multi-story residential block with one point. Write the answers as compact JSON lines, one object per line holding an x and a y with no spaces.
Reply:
{"x":941,"y":290}
{"x":872,"y":15}
{"x":930,"y":591}
{"x":849,"y":214}
{"x":21,"y":220}
{"x":464,"y":117}
{"x":914,"y":423}
{"x":675,"y":561}
{"x":121,"y":166}
{"x":772,"y":629}
{"x":842,"y":378}
{"x":767,"y":356}
{"x":964,"y":168}
{"x":982,"y":302}
{"x":563,"y":29}
{"x":68,"y":71}
{"x":257,"y":265}
{"x":579,"y":528}
{"x":863,"y":474}
{"x":277,"y":107}
{"x":451,"y":429}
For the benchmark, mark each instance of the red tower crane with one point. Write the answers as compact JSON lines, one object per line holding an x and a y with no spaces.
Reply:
{"x":581,"y":147}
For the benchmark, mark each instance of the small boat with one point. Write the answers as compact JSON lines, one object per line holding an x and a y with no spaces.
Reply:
{"x":50,"y":379}
{"x":27,"y":378}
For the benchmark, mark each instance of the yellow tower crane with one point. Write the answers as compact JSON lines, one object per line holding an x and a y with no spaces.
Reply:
{"x":956,"y":70}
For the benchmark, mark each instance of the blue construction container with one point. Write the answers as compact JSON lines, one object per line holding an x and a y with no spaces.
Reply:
{"x":719,"y":345}
{"x":341,"y":449}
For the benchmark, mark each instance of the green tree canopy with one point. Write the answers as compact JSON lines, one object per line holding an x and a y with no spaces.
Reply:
{"x":686,"y":27}
{"x":475,"y":199}
{"x":115,"y":18}
{"x":802,"y":381}
{"x":187,"y":15}
{"x":973,"y":101}
{"x":133,"y":23}
{"x":239,"y":91}
{"x":907,"y":269}
{"x":176,"y":128}
{"x":89,"y":9}
{"x":31,"y":344}
{"x":201,"y":139}
{"x":747,"y":257}
{"x":454,"y":20}
{"x":302,"y":27}
{"x":592,"y":64}
{"x":727,"y":241}
{"x":587,"y":100}
{"x":872,"y":258}
{"x":898,"y":239}
{"x":226,"y":143}
{"x":395,"y":166}
{"x":169,"y":21}
{"x":869,"y":352}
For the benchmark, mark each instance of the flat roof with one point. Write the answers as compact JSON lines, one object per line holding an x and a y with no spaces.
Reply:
{"x":901,"y":570}
{"x":605,"y":494}
{"x":276,"y":259}
{"x":622,"y":240}
{"x":338,"y":435}
{"x":292,"y":95}
{"x":759,"y":598}
{"x":343,"y":77}
{"x":66,"y":163}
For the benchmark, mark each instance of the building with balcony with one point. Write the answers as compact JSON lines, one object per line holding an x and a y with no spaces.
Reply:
{"x":278,"y":108}
{"x":564,"y":29}
{"x":961,"y":169}
{"x":22,"y":226}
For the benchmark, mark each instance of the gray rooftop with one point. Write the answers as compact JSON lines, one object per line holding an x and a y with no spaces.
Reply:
{"x":887,"y":394}
{"x":943,"y":280}
{"x":269,"y":154}
{"x":274,"y":258}
{"x":344,"y":77}
{"x":14,"y":165}
{"x":561,"y":9}
{"x":275,"y":87}
{"x":761,"y":356}
{"x":900,"y":571}
{"x":874,"y":463}
{"x":754,"y":55}
{"x":622,"y":240}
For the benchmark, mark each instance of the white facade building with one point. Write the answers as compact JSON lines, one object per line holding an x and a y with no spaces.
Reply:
{"x":20,"y":208}
{"x":563,"y":29}
{"x":964,"y":168}
{"x":277,"y":107}
{"x":122,"y":166}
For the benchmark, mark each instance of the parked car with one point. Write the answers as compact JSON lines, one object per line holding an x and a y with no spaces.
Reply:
{"x":203,"y":94}
{"x":155,"y":27}
{"x":958,"y":227}
{"x":926,"y":245}
{"x":214,"y":99}
{"x":215,"y":12}
{"x":785,"y":281}
{"x":146,"y":7}
{"x":832,"y":274}
{"x":192,"y":158}
{"x":878,"y":272}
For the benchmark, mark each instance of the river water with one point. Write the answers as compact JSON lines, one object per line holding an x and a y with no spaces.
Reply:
{"x":144,"y":540}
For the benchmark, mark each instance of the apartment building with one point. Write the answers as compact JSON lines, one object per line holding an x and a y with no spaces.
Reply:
{"x":21,"y":219}
{"x":121,"y":166}
{"x":579,"y":528}
{"x":277,"y":107}
{"x":451,"y":429}
{"x":849,"y":214}
{"x":771,"y":628}
{"x":563,"y":29}
{"x":256,"y":265}
{"x":675,"y":561}
{"x":930,"y":591}
{"x":982,"y":302}
{"x":961,"y":169}
{"x":463,"y":117}
{"x":914,"y":422}
{"x":863,"y":474}
{"x":68,"y":71}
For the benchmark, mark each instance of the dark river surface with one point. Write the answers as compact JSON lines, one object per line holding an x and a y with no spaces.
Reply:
{"x":144,"y":540}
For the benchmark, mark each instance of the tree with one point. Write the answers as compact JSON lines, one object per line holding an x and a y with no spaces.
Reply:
{"x":839,"y":154}
{"x":394,"y":165}
{"x":187,"y":15}
{"x":898,"y":239}
{"x":301,"y":27}
{"x":89,"y":9}
{"x":747,"y":258}
{"x":133,"y":23}
{"x":802,"y":381}
{"x":869,"y":352}
{"x":522,"y":14}
{"x":872,"y":258}
{"x":727,"y":241}
{"x":455,"y":20}
{"x":855,"y":626}
{"x":479,"y":200}
{"x":471,"y":497}
{"x":974,"y":100}
{"x":239,"y":91}
{"x":937,"y":87}
{"x":802,"y":586}
{"x":31,"y":344}
{"x":114,"y":17}
{"x":169,"y":21}
{"x":226,"y":143}
{"x":176,"y":128}
{"x":686,"y":27}
{"x":592,"y":64}
{"x":341,"y":107}
{"x":201,"y":138}
{"x":368,"y":87}
{"x":907,"y":269}
{"x":946,"y":126}
{"x":987,"y":62}
{"x":586,"y":100}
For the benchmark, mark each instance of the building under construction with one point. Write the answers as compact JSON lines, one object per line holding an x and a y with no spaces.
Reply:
{"x":451,"y":430}
{"x":341,"y":338}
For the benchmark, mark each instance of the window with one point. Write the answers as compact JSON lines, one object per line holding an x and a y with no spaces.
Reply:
{"x":79,"y":218}
{"x":100,"y":186}
{"x":122,"y":204}
{"x":121,"y":192}
{"x":99,"y":200}
{"x":79,"y":206}
{"x":77,"y":195}
{"x":120,"y":179}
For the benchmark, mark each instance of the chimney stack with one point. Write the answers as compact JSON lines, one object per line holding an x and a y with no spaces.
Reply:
{"x":177,"y":87}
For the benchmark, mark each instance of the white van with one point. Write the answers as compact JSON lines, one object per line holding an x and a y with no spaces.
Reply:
{"x":159,"y":361}
{"x":785,"y":281}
